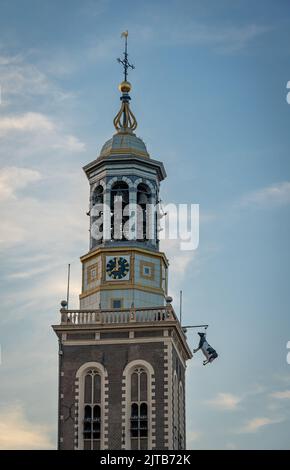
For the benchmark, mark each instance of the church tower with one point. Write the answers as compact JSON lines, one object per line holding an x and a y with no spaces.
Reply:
{"x":122,"y":355}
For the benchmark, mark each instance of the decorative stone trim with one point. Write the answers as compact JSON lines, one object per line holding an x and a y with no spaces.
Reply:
{"x":98,"y":183}
{"x":79,"y":400}
{"x":147,"y":182}
{"x":181,"y":410}
{"x":111,"y":182}
{"x":126,"y":394}
{"x":106,"y":412}
{"x":76,"y":425}
{"x":168,"y":395}
{"x":137,"y":181}
{"x":151,"y":186}
{"x":128,"y":181}
{"x":114,"y":180}
{"x":175,"y":409}
{"x":153,"y":413}
{"x":124,"y":413}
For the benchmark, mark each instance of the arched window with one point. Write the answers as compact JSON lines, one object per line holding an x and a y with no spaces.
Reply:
{"x":91,"y":421}
{"x":119,"y":200}
{"x":92,"y":410}
{"x":97,"y":213}
{"x":139,"y":405}
{"x":143,"y":215}
{"x":139,"y":409}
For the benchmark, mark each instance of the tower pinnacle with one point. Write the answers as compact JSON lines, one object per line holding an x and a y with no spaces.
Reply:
{"x":125,"y":120}
{"x":126,"y":64}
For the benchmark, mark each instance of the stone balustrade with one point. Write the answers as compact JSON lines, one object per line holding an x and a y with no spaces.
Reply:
{"x":121,"y":316}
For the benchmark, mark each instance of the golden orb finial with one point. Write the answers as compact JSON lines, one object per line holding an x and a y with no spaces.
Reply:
{"x":125,"y":87}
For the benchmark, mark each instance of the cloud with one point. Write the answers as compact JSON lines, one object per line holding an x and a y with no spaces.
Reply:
{"x":274,"y":195}
{"x":10,"y":234}
{"x":225,"y":401}
{"x":178,"y":258}
{"x":14,"y":178}
{"x":17,"y":433}
{"x":281,"y":395}
{"x":103,"y":49}
{"x":191,"y":437}
{"x":256,"y":424}
{"x":42,"y":233}
{"x":30,"y":273}
{"x":40,"y":131}
{"x":179,"y":263}
{"x":222,"y":38}
{"x":38,"y":223}
{"x":231,"y":446}
{"x":69,"y":143}
{"x":285,"y":378}
{"x":26,"y":122}
{"x":180,"y":235}
{"x":21,"y":78}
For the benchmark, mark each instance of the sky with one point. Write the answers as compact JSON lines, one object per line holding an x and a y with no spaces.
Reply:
{"x":209,"y":93}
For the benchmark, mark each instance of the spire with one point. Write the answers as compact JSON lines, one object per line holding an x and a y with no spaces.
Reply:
{"x":126,"y":64}
{"x":125,"y":120}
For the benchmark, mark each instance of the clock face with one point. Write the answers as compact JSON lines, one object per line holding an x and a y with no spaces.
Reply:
{"x":117,"y":267}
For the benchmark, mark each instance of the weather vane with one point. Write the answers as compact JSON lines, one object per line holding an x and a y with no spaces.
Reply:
{"x":126,"y":64}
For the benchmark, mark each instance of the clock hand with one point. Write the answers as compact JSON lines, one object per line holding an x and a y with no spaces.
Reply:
{"x":116,"y":268}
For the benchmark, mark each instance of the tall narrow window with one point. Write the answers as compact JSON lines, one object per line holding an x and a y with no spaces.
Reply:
{"x":143,"y":200}
{"x":97,"y":211}
{"x":92,"y":410}
{"x":119,"y":200}
{"x":139,"y":409}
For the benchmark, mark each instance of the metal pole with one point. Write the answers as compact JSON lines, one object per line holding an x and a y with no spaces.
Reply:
{"x":68,"y":281}
{"x":126,"y":57}
{"x":195,"y":326}
{"x":180,"y":306}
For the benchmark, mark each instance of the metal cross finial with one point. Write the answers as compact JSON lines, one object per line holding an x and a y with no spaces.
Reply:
{"x":126,"y":64}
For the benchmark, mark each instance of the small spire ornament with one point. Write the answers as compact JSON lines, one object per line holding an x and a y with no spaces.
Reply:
{"x":125,"y":121}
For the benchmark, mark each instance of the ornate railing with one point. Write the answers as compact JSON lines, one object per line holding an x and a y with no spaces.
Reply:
{"x":88,"y":317}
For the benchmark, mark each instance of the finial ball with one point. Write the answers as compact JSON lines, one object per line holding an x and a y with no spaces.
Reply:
{"x":125,"y":87}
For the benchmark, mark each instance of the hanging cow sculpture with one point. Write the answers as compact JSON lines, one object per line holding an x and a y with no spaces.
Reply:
{"x":207,"y":350}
